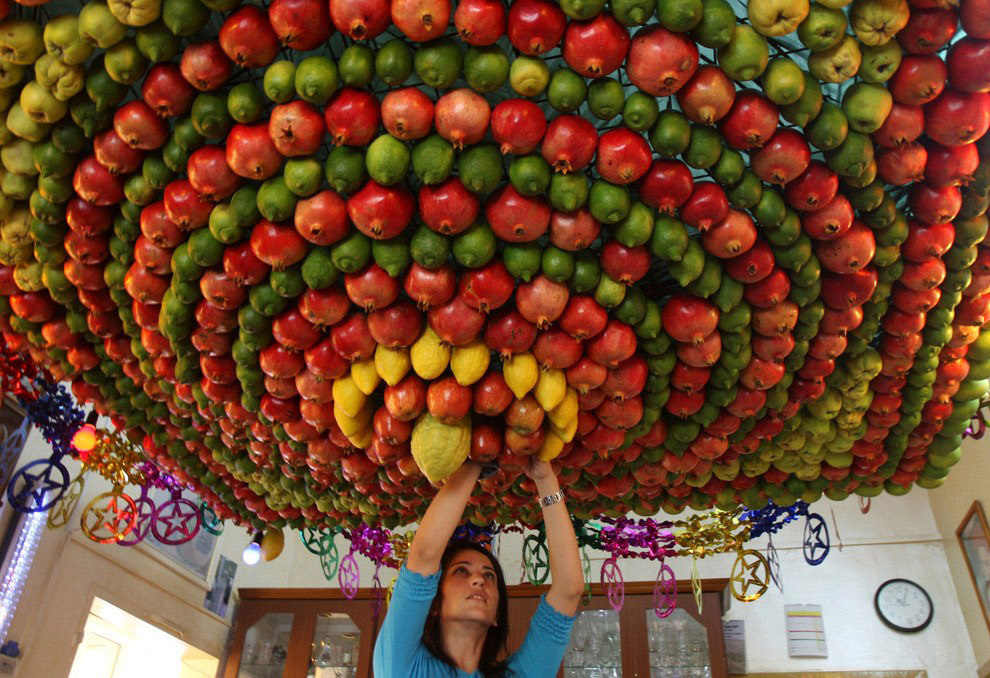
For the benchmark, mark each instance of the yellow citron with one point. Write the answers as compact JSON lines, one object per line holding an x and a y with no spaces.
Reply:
{"x":470,"y":362}
{"x":566,"y":411}
{"x":429,"y":354}
{"x":347,"y":396}
{"x":567,"y":432}
{"x":552,"y":446}
{"x":362,"y":439}
{"x":392,"y":364}
{"x":551,"y":387}
{"x":520,"y":373}
{"x":365,"y":375}
{"x":438,"y":448}
{"x":352,"y":425}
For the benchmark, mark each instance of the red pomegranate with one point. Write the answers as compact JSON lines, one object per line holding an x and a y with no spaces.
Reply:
{"x":586,"y":375}
{"x":849,"y":252}
{"x":595,"y":47}
{"x":732,"y":236}
{"x":573,"y":231}
{"x":461,"y":117}
{"x":660,"y":61}
{"x":535,"y":26}
{"x":322,"y":218}
{"x":903,"y":125}
{"x":813,"y":189}
{"x":210,"y":174}
{"x":296,"y":128}
{"x":611,"y":346}
{"x":486,"y":288}
{"x":166,"y":91}
{"x":927,"y":30}
{"x":448,"y":207}
{"x":247,"y":37}
{"x":708,"y":96}
{"x":371,"y":288}
{"x":421,"y":20}
{"x":205,"y":66}
{"x":518,"y":125}
{"x":783,"y":158}
{"x":667,"y":185}
{"x":407,"y":113}
{"x":381,"y":212}
{"x":753,"y":265}
{"x":251,"y":153}
{"x":541,"y":301}
{"x":902,"y":164}
{"x":515,"y":217}
{"x":397,"y":325}
{"x":918,"y":80}
{"x":360,"y":19}
{"x":957,"y":118}
{"x":583,"y":317}
{"x":138,"y":125}
{"x":555,"y":349}
{"x":751,"y":121}
{"x":829,"y":222}
{"x":950,"y":165}
{"x":455,"y":322}
{"x":278,"y":245}
{"x":843,"y":291}
{"x":428,"y":287}
{"x":508,"y":332}
{"x":967,"y":60}
{"x":301,"y":24}
{"x":352,"y":117}
{"x":704,"y":354}
{"x":623,"y":156}
{"x":769,"y":291}
{"x":935,"y":205}
{"x":706,"y":206}
{"x":688,"y":318}
{"x":569,"y":144}
{"x":480,"y":22}
{"x":925,"y":241}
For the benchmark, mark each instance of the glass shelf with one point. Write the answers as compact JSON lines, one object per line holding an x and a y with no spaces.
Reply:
{"x":335,"y":647}
{"x":266,"y":647}
{"x":678,"y":646}
{"x":595,"y":650}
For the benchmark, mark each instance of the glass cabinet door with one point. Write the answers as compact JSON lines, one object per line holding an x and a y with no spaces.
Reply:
{"x":335,"y":648}
{"x":678,"y":646}
{"x":595,"y":650}
{"x":266,"y":646}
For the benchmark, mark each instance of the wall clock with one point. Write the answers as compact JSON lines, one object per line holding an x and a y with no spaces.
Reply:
{"x":903,"y":605}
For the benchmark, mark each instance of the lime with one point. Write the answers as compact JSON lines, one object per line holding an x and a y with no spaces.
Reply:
{"x":807,"y":106}
{"x":690,"y":266}
{"x":265,"y":300}
{"x":609,"y":203}
{"x":705,"y":147}
{"x":680,"y":16}
{"x":475,"y":246}
{"x":275,"y":201}
{"x":204,"y":249}
{"x":394,"y":62}
{"x":633,"y":306}
{"x":747,"y":192}
{"x":356,"y":65}
{"x":587,"y":270}
{"x":529,"y":76}
{"x":637,"y":227}
{"x":387,"y":160}
{"x":606,"y":98}
{"x":671,"y":133}
{"x":184,"y":17}
{"x":288,"y":282}
{"x":711,"y":277}
{"x":224,"y":225}
{"x":392,"y":254}
{"x":157,"y":42}
{"x":480,"y":168}
{"x":352,"y":253}
{"x":568,"y":192}
{"x":125,"y":63}
{"x":245,"y":103}
{"x":316,"y":79}
{"x":438,"y":62}
{"x":279,"y":81}
{"x":523,"y":260}
{"x":433,"y":159}
{"x":303,"y":176}
{"x":640,"y":111}
{"x":557,"y":264}
{"x":582,"y":9}
{"x":345,"y":169}
{"x":428,"y":248}
{"x":567,"y":90}
{"x":609,"y":293}
{"x":829,"y":128}
{"x":486,"y":68}
{"x":632,"y":12}
{"x":186,"y":135}
{"x":318,"y":271}
{"x":210,"y":116}
{"x":530,"y":174}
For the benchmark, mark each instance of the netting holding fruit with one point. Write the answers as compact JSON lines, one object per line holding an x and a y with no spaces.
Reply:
{"x":313,"y":256}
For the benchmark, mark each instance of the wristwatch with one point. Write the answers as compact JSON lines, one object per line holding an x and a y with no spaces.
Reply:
{"x":552,"y":499}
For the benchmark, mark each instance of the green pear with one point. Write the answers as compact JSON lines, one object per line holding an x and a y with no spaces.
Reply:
{"x":61,"y":36}
{"x":135,"y":12}
{"x":822,"y":28}
{"x":880,"y":62}
{"x":718,"y":20}
{"x":99,"y":27}
{"x":21,"y":41}
{"x":12,"y":74}
{"x":746,"y":56}
{"x":775,"y":18}
{"x":63,"y":80}
{"x":875,"y":22}
{"x":783,"y":81}
{"x":808,"y":105}
{"x":866,"y":106}
{"x":24,"y":126}
{"x":838,"y":63}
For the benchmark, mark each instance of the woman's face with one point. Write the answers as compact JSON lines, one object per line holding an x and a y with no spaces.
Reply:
{"x":470,"y":589}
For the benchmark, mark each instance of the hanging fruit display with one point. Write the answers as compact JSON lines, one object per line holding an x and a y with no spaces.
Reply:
{"x":314,"y":255}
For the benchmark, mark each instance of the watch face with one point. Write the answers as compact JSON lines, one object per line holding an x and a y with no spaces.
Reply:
{"x":903,"y":605}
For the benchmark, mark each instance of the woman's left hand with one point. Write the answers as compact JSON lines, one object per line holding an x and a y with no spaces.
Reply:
{"x":539,"y":470}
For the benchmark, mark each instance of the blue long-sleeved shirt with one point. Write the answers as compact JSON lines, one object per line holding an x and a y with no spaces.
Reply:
{"x":400,"y":653}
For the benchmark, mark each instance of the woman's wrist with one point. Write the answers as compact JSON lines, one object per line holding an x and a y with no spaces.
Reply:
{"x":545,"y":486}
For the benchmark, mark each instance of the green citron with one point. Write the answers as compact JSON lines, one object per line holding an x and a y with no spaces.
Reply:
{"x":476,"y":246}
{"x":433,"y":159}
{"x":275,"y":201}
{"x":428,"y":248}
{"x":318,"y":270}
{"x":245,"y":103}
{"x":480,"y":168}
{"x":690,"y":266}
{"x":210,"y":116}
{"x":640,"y":111}
{"x":567,"y":90}
{"x":609,"y":203}
{"x":303,"y":176}
{"x":632,"y":309}
{"x":632,"y":12}
{"x":486,"y":68}
{"x":606,"y":98}
{"x":557,"y":264}
{"x":394,"y":62}
{"x":352,"y":253}
{"x":669,"y":240}
{"x":316,"y":79}
{"x":880,"y":62}
{"x":829,"y":128}
{"x":392,"y":254}
{"x":705,"y":147}
{"x":582,"y":9}
{"x":528,"y":76}
{"x":783,"y":81}
{"x":747,"y":192}
{"x":157,"y":42}
{"x":729,"y":168}
{"x":718,"y":22}
{"x":125,"y":63}
{"x":587,"y":270}
{"x":746,"y":56}
{"x":609,"y":293}
{"x":568,"y":192}
{"x":823,"y":28}
{"x":387,"y":160}
{"x":522,"y":260}
{"x":637,"y":228}
{"x":279,"y":82}
{"x":345,"y":169}
{"x":438,"y":62}
{"x":185,"y":18}
{"x":356,"y":65}
{"x":680,"y":16}
{"x":807,"y":106}
{"x":530,"y":174}
{"x":866,"y":106}
{"x":288,"y":282}
{"x":671,"y":134}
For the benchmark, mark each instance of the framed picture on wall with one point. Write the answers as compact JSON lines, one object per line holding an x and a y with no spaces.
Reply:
{"x":974,"y":538}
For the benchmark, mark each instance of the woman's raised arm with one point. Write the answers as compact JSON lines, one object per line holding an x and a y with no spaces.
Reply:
{"x":567,"y":584}
{"x":441,"y":519}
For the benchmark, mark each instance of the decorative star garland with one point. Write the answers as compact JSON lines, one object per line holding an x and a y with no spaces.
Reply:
{"x":771,"y":518}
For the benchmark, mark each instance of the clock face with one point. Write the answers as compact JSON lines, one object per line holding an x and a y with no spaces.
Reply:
{"x":903,"y":605}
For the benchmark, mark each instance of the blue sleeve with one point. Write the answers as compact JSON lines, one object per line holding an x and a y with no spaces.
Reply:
{"x":546,"y":641}
{"x":401,"y":635}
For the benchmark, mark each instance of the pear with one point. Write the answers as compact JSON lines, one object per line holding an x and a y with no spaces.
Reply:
{"x":775,"y":18}
{"x":21,"y":41}
{"x":746,"y":56}
{"x":61,"y":36}
{"x":875,"y":22}
{"x":838,"y":63}
{"x":866,"y":106}
{"x":880,"y":62}
{"x":822,"y":28}
{"x":783,"y":81}
{"x":98,"y":26}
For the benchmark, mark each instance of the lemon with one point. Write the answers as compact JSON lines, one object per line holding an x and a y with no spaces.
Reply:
{"x":347,"y":396}
{"x":351,"y":425}
{"x":521,"y":373}
{"x":470,"y":362}
{"x":551,"y":447}
{"x":429,"y":355}
{"x":551,"y":387}
{"x":567,"y":432}
{"x":362,"y":439}
{"x":392,"y":364}
{"x":566,"y":411}
{"x":365,"y":375}
{"x":438,"y":448}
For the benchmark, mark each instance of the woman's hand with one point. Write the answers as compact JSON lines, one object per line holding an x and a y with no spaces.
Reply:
{"x":539,"y":470}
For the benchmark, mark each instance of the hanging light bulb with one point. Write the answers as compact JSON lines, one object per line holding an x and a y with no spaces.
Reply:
{"x":252,"y":552}
{"x":85,"y":438}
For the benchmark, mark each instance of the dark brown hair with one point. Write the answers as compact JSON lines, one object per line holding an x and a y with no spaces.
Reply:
{"x":491,"y":665}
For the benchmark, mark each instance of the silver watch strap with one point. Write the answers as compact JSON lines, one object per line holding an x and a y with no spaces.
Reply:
{"x":552,"y":499}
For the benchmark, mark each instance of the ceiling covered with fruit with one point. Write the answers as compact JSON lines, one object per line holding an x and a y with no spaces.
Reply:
{"x":311,"y":256}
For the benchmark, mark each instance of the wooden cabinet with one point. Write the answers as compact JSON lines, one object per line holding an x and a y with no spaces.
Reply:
{"x":318,"y":633}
